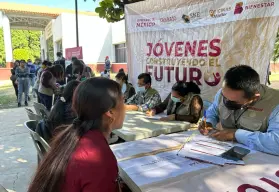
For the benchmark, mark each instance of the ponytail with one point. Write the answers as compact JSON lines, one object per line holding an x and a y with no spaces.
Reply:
{"x":51,"y":172}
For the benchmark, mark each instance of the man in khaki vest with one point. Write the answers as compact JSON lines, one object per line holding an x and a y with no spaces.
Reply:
{"x":246,"y":111}
{"x":146,"y":97}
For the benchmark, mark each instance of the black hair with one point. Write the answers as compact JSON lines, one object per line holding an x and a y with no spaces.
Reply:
{"x":56,"y":116}
{"x":78,"y":67}
{"x":22,"y":61}
{"x":105,"y":71}
{"x":146,"y":78}
{"x":121,"y":70}
{"x":47,"y":63}
{"x":59,"y":54}
{"x":122,"y":76}
{"x":92,"y":98}
{"x":183,"y":88}
{"x":74,"y":59}
{"x":243,"y":77}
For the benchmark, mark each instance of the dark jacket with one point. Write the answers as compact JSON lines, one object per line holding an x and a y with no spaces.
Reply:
{"x":130,"y":91}
{"x":189,"y":110}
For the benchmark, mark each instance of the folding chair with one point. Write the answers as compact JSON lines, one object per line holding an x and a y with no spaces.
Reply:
{"x":41,"y":145}
{"x":2,"y":189}
{"x":41,"y":110}
{"x":32,"y":116}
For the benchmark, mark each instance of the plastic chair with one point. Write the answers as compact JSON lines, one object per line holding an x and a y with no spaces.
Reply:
{"x":32,"y":116}
{"x":41,"y":110}
{"x":41,"y":145}
{"x":2,"y":189}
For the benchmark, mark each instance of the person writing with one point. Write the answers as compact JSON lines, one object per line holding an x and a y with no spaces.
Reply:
{"x":246,"y":111}
{"x":146,"y":97}
{"x":80,"y":155}
{"x":182,"y":104}
{"x":127,"y":89}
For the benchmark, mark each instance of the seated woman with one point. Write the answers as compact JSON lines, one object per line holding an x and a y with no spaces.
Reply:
{"x":80,"y":159}
{"x":61,"y":113}
{"x":48,"y":84}
{"x":183,"y":104}
{"x":127,"y":89}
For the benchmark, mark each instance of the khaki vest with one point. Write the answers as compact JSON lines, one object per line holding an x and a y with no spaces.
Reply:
{"x":254,"y":118}
{"x":183,"y":109}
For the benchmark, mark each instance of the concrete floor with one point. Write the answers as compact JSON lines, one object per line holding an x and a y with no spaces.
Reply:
{"x":17,"y":152}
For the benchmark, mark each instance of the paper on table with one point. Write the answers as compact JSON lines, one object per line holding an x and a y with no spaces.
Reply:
{"x":128,"y":149}
{"x":157,"y":116}
{"x":159,"y":167}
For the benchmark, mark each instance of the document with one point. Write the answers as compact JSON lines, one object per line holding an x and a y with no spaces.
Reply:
{"x":130,"y":149}
{"x":160,"y":167}
{"x":207,"y":150}
{"x":157,"y":116}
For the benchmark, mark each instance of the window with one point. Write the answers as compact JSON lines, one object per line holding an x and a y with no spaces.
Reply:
{"x":120,"y":53}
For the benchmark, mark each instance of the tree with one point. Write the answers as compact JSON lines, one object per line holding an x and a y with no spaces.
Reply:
{"x":25,"y":44}
{"x":113,"y":10}
{"x":20,"y":54}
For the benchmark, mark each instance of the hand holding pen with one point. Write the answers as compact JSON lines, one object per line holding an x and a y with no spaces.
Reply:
{"x":204,"y":126}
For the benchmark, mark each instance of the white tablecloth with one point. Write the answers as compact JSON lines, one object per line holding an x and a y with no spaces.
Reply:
{"x":260,"y":172}
{"x":137,"y":126}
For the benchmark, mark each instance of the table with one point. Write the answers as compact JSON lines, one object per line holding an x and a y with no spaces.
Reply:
{"x":137,"y":126}
{"x":260,"y":173}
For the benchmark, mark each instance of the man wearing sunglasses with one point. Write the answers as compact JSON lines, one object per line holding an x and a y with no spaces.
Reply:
{"x":245,"y":111}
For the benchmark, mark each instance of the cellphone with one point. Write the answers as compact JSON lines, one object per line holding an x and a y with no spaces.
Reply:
{"x":236,"y":153}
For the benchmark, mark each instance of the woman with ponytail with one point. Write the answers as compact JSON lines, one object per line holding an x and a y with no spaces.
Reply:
{"x":80,"y":159}
{"x":182,"y":104}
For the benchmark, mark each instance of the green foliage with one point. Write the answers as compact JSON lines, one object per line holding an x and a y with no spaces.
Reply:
{"x":26,"y":45}
{"x":22,"y":54}
{"x":275,"y":55}
{"x":111,"y":10}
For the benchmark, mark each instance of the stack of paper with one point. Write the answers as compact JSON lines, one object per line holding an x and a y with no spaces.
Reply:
{"x":151,"y":171}
{"x":158,"y":116}
{"x":207,"y":150}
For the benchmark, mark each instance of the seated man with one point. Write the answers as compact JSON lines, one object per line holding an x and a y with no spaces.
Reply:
{"x":247,"y":111}
{"x":146,"y":97}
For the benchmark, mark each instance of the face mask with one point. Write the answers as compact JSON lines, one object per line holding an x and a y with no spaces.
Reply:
{"x":231,"y":105}
{"x":124,"y":88}
{"x":140,"y":89}
{"x":175,"y":100}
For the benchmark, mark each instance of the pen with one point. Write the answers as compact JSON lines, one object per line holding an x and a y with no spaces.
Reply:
{"x":204,"y":118}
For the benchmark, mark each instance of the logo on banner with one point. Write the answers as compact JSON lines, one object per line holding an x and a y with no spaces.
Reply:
{"x":186,"y":18}
{"x":145,"y":22}
{"x":168,"y":19}
{"x":259,"y":5}
{"x":212,"y":79}
{"x":238,"y":8}
{"x":220,"y":12}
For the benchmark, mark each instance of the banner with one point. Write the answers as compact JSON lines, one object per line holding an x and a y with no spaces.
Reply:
{"x":74,"y":52}
{"x":199,"y":40}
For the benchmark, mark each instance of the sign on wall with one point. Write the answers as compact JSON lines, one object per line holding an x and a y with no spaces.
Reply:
{"x":199,"y":42}
{"x":74,"y":52}
{"x":48,"y":30}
